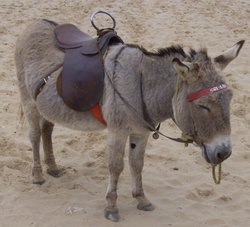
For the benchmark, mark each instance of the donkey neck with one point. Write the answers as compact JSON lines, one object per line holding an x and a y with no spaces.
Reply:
{"x":159,"y":84}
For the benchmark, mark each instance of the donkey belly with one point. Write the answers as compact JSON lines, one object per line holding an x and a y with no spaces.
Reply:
{"x":52,"y":108}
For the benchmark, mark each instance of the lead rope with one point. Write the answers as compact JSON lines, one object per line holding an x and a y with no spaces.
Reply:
{"x":216,"y":179}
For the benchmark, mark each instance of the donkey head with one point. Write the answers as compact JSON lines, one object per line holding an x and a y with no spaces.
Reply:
{"x":202,"y":102}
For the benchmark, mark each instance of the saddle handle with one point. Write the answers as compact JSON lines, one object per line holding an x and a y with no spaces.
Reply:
{"x":104,"y":12}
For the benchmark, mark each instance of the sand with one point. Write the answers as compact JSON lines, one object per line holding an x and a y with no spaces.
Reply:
{"x":176,"y":179}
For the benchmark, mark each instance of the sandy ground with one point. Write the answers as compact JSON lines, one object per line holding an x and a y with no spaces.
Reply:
{"x":176,"y":179}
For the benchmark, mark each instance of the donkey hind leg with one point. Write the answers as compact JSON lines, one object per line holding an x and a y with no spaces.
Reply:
{"x":136,"y":161}
{"x":117,"y":142}
{"x":33,"y":118}
{"x":49,"y":159}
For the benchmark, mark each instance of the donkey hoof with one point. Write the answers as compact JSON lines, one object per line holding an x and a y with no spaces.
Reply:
{"x":112,"y":214}
{"x":56,"y":172}
{"x":38,"y":181}
{"x":147,"y":207}
{"x":37,"y":176}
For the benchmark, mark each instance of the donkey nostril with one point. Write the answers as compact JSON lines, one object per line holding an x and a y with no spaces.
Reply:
{"x":219,"y":155}
{"x":223,"y":154}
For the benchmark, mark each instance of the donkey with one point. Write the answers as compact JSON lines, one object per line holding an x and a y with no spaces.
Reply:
{"x":170,"y":83}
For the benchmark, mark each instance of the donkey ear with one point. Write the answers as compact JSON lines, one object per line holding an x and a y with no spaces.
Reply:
{"x":223,"y":60}
{"x":180,"y":67}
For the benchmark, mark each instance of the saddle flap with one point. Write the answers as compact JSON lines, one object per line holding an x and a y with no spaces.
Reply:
{"x":81,"y":84}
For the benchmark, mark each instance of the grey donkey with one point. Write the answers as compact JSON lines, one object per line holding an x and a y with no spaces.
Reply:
{"x":169,"y":83}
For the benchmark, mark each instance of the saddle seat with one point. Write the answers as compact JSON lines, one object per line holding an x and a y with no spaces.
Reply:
{"x":69,"y":36}
{"x":82,"y":79}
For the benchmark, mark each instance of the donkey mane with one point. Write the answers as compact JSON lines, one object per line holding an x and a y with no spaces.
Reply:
{"x":201,"y":54}
{"x":192,"y":55}
{"x":175,"y":49}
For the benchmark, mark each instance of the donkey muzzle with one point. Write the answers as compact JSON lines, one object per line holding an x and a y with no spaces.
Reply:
{"x":217,"y":151}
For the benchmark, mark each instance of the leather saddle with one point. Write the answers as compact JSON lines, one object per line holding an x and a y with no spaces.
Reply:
{"x":82,"y":79}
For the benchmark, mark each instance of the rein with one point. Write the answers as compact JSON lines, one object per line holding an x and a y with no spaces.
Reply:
{"x":146,"y":118}
{"x":186,"y":139}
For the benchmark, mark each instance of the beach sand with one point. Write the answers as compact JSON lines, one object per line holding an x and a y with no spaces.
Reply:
{"x":177,"y":180}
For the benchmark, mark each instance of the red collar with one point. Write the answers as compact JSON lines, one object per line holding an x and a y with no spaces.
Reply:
{"x":206,"y":91}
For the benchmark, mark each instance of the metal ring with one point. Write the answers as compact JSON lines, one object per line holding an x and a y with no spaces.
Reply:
{"x":101,"y":11}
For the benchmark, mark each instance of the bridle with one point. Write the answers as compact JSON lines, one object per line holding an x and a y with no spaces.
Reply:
{"x":194,"y":96}
{"x":197,"y":95}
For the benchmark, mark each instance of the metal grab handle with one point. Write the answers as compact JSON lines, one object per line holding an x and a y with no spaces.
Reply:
{"x":104,"y":12}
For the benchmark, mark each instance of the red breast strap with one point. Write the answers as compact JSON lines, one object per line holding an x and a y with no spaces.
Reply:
{"x":206,"y":91}
{"x":97,"y":113}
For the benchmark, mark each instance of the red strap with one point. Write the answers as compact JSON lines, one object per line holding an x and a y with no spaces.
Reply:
{"x":96,"y":112}
{"x":206,"y":91}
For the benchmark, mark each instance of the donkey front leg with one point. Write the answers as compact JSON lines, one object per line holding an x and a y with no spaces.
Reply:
{"x":136,"y":161}
{"x":117,"y":142}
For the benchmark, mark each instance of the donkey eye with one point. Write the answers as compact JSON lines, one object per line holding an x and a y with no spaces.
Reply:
{"x":205,"y":108}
